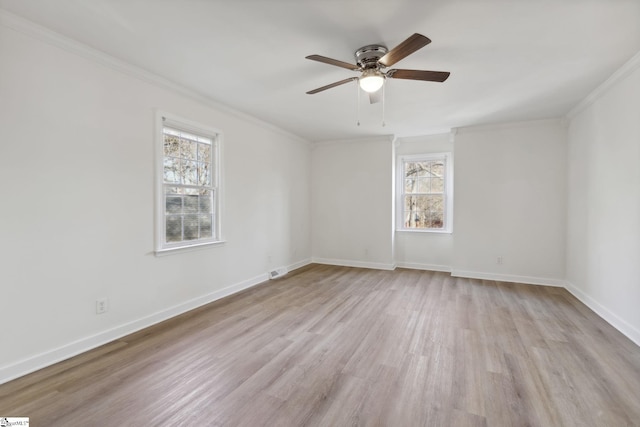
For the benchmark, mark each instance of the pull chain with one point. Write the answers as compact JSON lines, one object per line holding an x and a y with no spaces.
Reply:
{"x":383,"y":99}
{"x":358,"y":90}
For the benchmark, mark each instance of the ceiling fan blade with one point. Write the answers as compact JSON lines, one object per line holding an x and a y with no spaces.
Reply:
{"x":335,"y":62}
{"x":404,"y":49}
{"x":341,"y":82}
{"x":375,"y":97}
{"x":430,"y":76}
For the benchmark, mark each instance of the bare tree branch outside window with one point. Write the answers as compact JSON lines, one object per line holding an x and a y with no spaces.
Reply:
{"x":424,"y":195}
{"x":189,"y":195}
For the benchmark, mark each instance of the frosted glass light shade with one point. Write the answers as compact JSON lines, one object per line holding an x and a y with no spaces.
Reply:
{"x":371,"y":81}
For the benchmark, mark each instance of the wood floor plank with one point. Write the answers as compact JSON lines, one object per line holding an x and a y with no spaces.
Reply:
{"x":333,"y":346}
{"x":468,"y":373}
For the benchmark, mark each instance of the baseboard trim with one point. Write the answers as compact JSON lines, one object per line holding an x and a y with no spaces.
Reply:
{"x":427,"y":267}
{"x":48,"y":358}
{"x":357,"y":264}
{"x":529,"y":280}
{"x":614,"y":320}
{"x":299,"y":264}
{"x":34,"y":363}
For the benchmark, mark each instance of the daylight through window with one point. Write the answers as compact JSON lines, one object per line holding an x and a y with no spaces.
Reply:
{"x":424,"y":197}
{"x":189,"y":187}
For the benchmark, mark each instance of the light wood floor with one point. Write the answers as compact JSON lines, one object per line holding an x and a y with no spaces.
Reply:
{"x":336,"y":346}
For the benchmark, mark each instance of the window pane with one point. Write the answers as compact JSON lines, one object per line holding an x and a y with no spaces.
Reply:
{"x":421,"y":220}
{"x":437,"y":168}
{"x":423,"y":196}
{"x":436,"y":219}
{"x":410,"y":219}
{"x":205,"y":202}
{"x":416,"y":169}
{"x":190,"y":227}
{"x":424,"y":219}
{"x":422,"y":202}
{"x":423,"y":185}
{"x":191,"y":204}
{"x":425,"y":211}
{"x":188,"y":149}
{"x":173,"y":204}
{"x":204,"y":152}
{"x":409,"y":202}
{"x":171,"y":146}
{"x":205,"y":226}
{"x":204,"y":177}
{"x":410,"y":185}
{"x":415,"y":219}
{"x":433,"y":202}
{"x":172,"y":170}
{"x":173,"y":228}
{"x":411,"y":210}
{"x":437,"y":185}
{"x":190,"y":173}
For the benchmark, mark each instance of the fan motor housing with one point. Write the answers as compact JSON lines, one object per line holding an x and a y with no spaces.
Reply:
{"x":368,"y":56}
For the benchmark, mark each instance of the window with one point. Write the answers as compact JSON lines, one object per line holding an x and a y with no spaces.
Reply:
{"x":188,"y":195}
{"x":425,"y":201}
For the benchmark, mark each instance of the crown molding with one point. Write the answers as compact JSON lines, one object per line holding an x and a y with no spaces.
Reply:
{"x":508,"y":125}
{"x":36,"y":31}
{"x":436,"y":137}
{"x":630,"y":66}
{"x":363,"y":140}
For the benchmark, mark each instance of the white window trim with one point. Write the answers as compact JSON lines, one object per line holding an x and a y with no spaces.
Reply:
{"x":163,"y":118}
{"x":448,"y":191}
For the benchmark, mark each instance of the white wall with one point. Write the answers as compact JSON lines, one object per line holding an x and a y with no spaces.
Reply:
{"x":426,"y":251}
{"x":76,"y":221}
{"x":510,"y":201}
{"x":352,"y":205}
{"x":603,"y":235}
{"x":76,"y":166}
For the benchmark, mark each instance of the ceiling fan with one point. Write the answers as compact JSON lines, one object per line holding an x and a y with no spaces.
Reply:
{"x":373,"y":60}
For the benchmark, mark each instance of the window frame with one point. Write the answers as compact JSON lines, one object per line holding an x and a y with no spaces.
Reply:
{"x":447,"y":157}
{"x":164,"y":119}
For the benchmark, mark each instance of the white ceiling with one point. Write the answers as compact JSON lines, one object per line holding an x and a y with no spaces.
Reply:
{"x":509,"y":60}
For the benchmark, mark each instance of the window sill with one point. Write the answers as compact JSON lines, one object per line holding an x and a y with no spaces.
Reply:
{"x":190,"y":248}
{"x":407,"y":230}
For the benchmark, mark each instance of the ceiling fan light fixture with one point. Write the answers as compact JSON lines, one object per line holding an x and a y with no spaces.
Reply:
{"x":371,"y":80}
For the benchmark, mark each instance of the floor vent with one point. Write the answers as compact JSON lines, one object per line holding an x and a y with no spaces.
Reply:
{"x":277,"y":273}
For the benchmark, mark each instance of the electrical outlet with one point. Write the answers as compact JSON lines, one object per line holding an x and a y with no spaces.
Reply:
{"x":499,"y":260}
{"x":102,"y":305}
